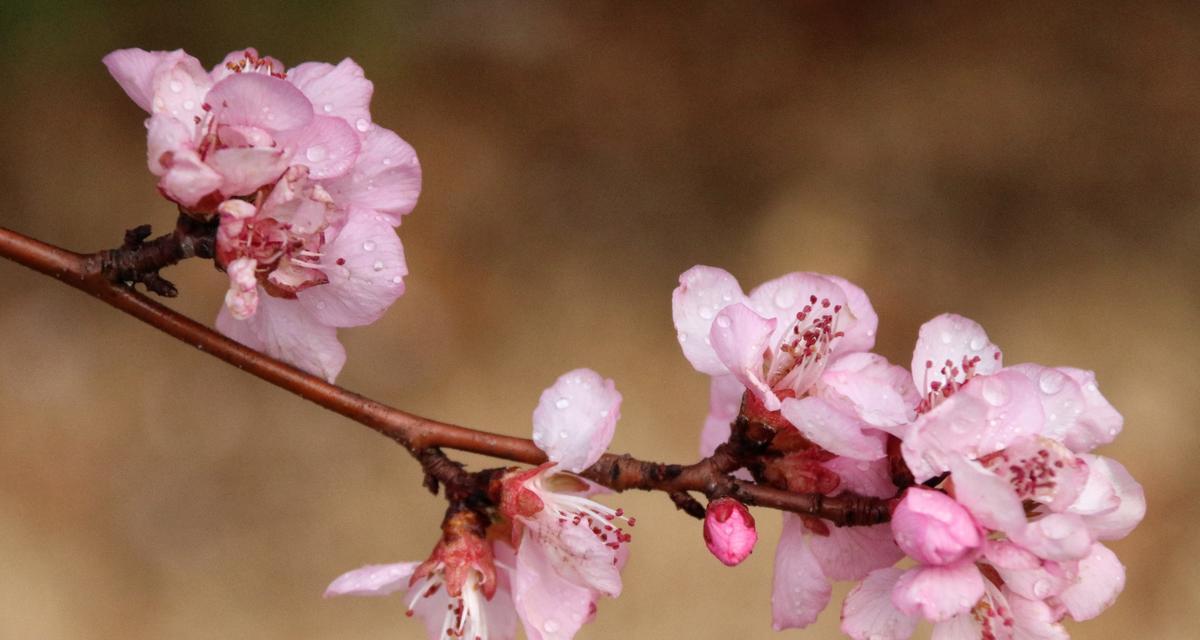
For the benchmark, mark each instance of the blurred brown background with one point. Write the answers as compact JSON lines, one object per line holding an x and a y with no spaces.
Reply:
{"x":1033,"y":168}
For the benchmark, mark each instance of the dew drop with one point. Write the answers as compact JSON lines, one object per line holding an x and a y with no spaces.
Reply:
{"x":706,"y":313}
{"x":995,"y":392}
{"x":397,"y":279}
{"x":947,"y":338}
{"x":378,"y":266}
{"x":328,"y":107}
{"x":550,"y":626}
{"x":1051,"y":382}
{"x":176,"y":86}
{"x":1041,"y":589}
{"x":977,"y":343}
{"x":604,"y":413}
{"x":563,"y":435}
{"x":682,"y":337}
{"x":189,"y":104}
{"x":784,"y":299}
{"x":320,"y":305}
{"x":723,"y":322}
{"x":387,"y":161}
{"x":368,"y":246}
{"x":562,"y":403}
{"x":315,"y":153}
{"x":362,"y":125}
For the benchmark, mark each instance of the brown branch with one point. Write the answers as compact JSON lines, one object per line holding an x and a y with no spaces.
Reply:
{"x":104,"y":276}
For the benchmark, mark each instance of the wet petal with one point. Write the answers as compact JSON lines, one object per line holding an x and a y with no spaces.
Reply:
{"x":951,"y":337}
{"x":850,"y":553}
{"x":283,"y":329}
{"x":1101,"y":578}
{"x":799,"y":591}
{"x":327,"y":146}
{"x":701,"y":294}
{"x":575,"y":419}
{"x":258,"y":100}
{"x":868,"y":612}
{"x":739,"y":337}
{"x":366,"y":268}
{"x":372,"y":580}
{"x":835,"y":431}
{"x":939,"y":593}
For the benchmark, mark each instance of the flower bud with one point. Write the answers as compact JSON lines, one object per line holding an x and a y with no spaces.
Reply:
{"x":729,"y":530}
{"x":933,"y":528}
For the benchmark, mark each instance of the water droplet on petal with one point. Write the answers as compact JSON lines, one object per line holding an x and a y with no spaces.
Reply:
{"x":362,"y":125}
{"x":563,"y":435}
{"x":947,"y":338}
{"x":562,"y":403}
{"x":604,"y":413}
{"x":723,"y":322}
{"x":387,"y":161}
{"x":368,"y":246}
{"x":1051,"y":381}
{"x":682,"y":337}
{"x":995,"y":392}
{"x":977,"y":343}
{"x":378,"y":266}
{"x":176,"y":86}
{"x":1041,"y":589}
{"x":397,"y":279}
{"x":706,"y":313}
{"x":328,"y":107}
{"x":315,"y":153}
{"x":550,"y":626}
{"x":784,"y":299}
{"x":189,"y":104}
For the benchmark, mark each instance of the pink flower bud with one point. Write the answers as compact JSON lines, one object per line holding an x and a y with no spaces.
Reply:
{"x":729,"y":530}
{"x":933,"y":528}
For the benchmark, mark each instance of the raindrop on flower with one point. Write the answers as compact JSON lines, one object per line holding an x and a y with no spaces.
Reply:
{"x":328,"y":107}
{"x":1041,"y":589}
{"x":315,"y":153}
{"x":562,"y":403}
{"x":176,"y":86}
{"x":995,"y":392}
{"x":706,"y":313}
{"x":723,"y":322}
{"x":397,"y":279}
{"x":947,"y":338}
{"x":362,"y":125}
{"x":977,"y":343}
{"x":550,"y":626}
{"x":784,"y":299}
{"x":368,"y":246}
{"x":1051,"y":382}
{"x":378,"y":266}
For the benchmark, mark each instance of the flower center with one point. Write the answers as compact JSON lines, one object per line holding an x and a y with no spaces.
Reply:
{"x":949,"y":382}
{"x":250,"y":62}
{"x":464,"y":617}
{"x":804,"y":349}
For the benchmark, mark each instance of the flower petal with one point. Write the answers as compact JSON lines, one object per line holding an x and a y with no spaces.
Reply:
{"x":550,"y":607}
{"x":951,"y":337}
{"x":850,"y":553}
{"x":244,"y":170}
{"x":1061,"y":397}
{"x":283,"y":329}
{"x":326,"y":145}
{"x":258,"y":100}
{"x":1056,"y":536}
{"x":864,"y":478}
{"x":835,"y":431}
{"x":860,"y":334}
{"x":866,"y":383}
{"x":188,"y":179}
{"x":985,"y":415}
{"x":386,"y":177}
{"x":1100,"y":422}
{"x":800,"y":590}
{"x":738,"y":337}
{"x":1100,"y":580}
{"x":868,"y":612}
{"x":701,"y":294}
{"x":724,"y":402}
{"x":787,"y":295}
{"x":366,"y":268}
{"x":372,"y":580}
{"x":939,"y":593}
{"x":1034,"y":620}
{"x":989,"y":498}
{"x":575,"y":419}
{"x":1119,"y":522}
{"x":133,"y":69}
{"x":339,"y":91}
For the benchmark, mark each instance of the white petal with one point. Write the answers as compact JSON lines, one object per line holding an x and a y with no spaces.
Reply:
{"x":575,"y":419}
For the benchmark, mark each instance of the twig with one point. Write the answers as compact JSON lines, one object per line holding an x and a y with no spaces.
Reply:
{"x":104,"y":276}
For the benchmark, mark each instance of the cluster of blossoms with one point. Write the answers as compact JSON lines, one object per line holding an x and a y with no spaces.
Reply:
{"x":548,"y":552}
{"x":1005,"y":509}
{"x":306,"y":189}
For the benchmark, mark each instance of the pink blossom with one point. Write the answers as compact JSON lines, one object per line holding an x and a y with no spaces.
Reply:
{"x":308,"y":190}
{"x":457,"y":592}
{"x":933,"y":528}
{"x":729,"y":531}
{"x":570,"y":549}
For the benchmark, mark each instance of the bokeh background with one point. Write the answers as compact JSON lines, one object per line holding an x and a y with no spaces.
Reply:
{"x":1034,"y":167}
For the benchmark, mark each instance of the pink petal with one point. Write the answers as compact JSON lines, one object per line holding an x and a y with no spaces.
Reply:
{"x":575,"y":419}
{"x":244,"y":170}
{"x":1100,"y":580}
{"x":951,"y":337}
{"x":1034,"y":620}
{"x":738,"y":337}
{"x":729,"y":531}
{"x":868,"y":612}
{"x":372,"y":580}
{"x":550,"y":607}
{"x":1024,"y":573}
{"x":339,"y":91}
{"x":933,"y":528}
{"x":724,"y":402}
{"x":1119,"y":522}
{"x":133,"y":69}
{"x":799,"y":591}
{"x":1100,"y":422}
{"x":835,"y":431}
{"x":366,"y":268}
{"x":864,"y":478}
{"x":702,"y":292}
{"x":188,"y":179}
{"x":1056,"y":536}
{"x":961,"y":627}
{"x":166,"y":137}
{"x":1098,"y":495}
{"x":283,"y":330}
{"x":1061,"y":397}
{"x":787,"y":295}
{"x":989,"y":498}
{"x":939,"y":593}
{"x":577,"y":554}
{"x":880,"y":392}
{"x":386,"y":177}
{"x":180,"y":86}
{"x":850,"y":553}
{"x":860,"y":334}
{"x":985,"y":415}
{"x":258,"y":100}
{"x":327,"y":146}
{"x":221,"y":70}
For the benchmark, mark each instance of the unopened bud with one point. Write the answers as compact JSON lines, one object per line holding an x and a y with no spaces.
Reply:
{"x":729,"y":530}
{"x":934,"y":529}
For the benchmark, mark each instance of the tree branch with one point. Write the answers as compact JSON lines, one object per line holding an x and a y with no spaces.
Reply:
{"x":108,"y":276}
